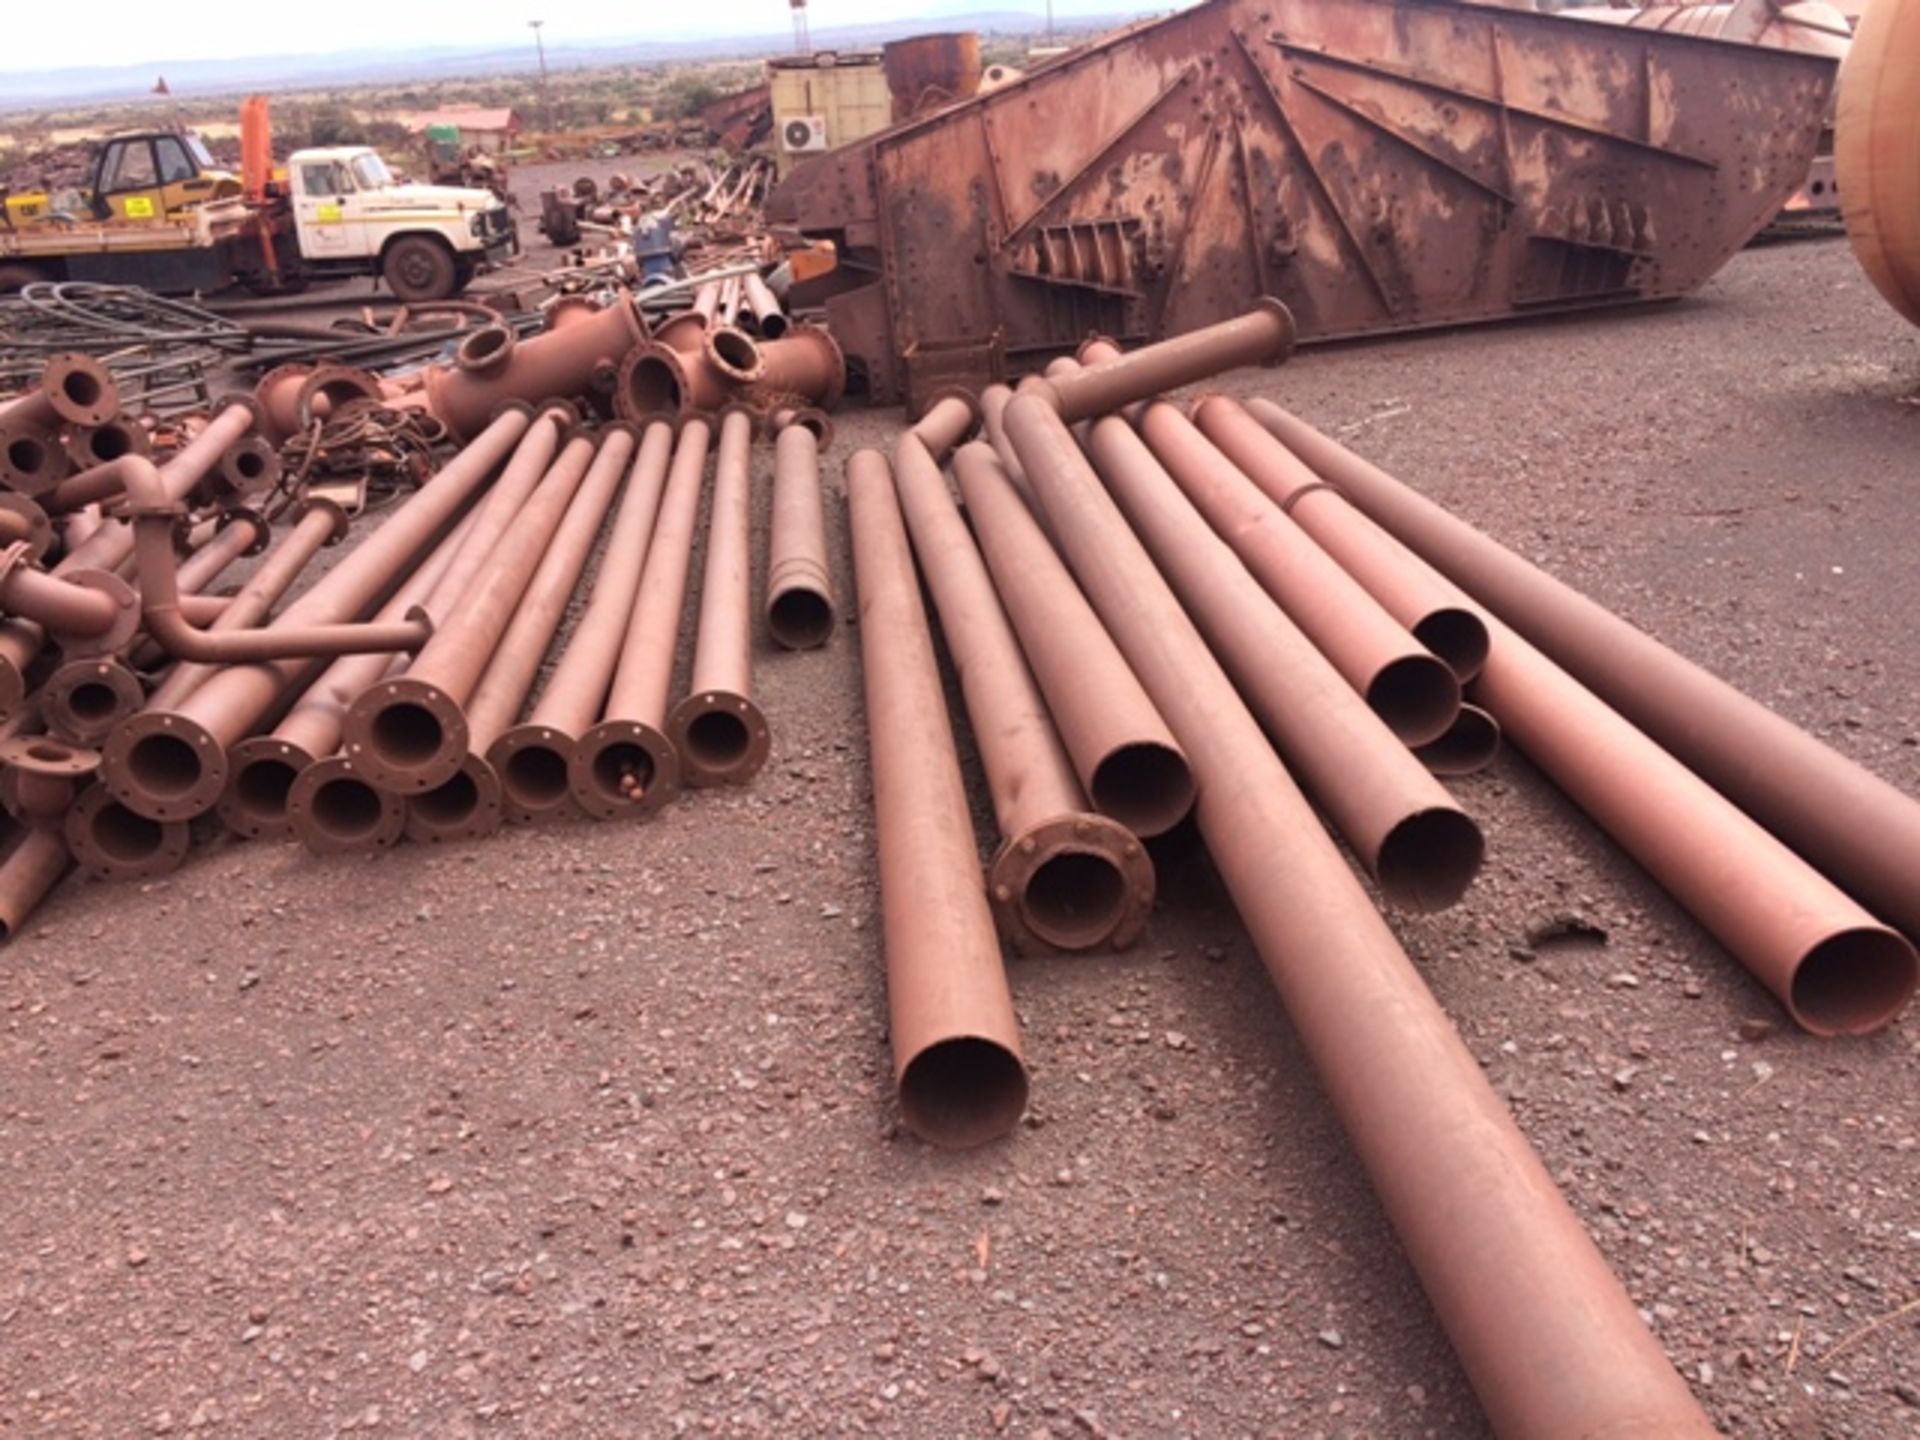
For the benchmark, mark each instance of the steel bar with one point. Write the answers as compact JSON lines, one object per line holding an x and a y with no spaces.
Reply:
{"x":800,"y":609}
{"x":718,"y":730}
{"x":171,"y":765}
{"x":625,"y":764}
{"x":532,"y":759}
{"x":1262,"y":336}
{"x":1431,"y":607}
{"x":1406,"y":830}
{"x":1551,"y":1342}
{"x":469,"y":804}
{"x":1063,"y":878}
{"x":1847,"y":821}
{"x":1408,"y":686}
{"x":956,"y":1042}
{"x":1127,"y":760}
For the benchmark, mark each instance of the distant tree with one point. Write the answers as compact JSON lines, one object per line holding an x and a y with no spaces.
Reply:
{"x":334,"y":124}
{"x":688,"y":96}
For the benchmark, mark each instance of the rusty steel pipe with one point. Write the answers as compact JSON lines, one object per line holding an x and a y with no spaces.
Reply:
{"x":171,"y":765}
{"x":1551,"y":1342}
{"x":1420,"y":847}
{"x":1431,"y":607}
{"x":805,"y":362}
{"x":1128,"y":761}
{"x":1847,"y":821}
{"x":950,"y":419}
{"x":334,"y":808}
{"x":768,"y":316}
{"x":799,"y":609}
{"x":32,"y":460}
{"x":409,"y":734}
{"x":89,"y":445}
{"x":625,"y":765}
{"x":993,"y":410}
{"x":956,"y":1042}
{"x":552,"y":365}
{"x":65,"y":606}
{"x":1838,"y":970}
{"x":816,"y":421}
{"x":112,"y":543}
{"x":1471,"y":744}
{"x":117,"y":843}
{"x":73,"y":389}
{"x":38,"y":861}
{"x":1408,"y":686}
{"x":1262,"y":336}
{"x":706,"y":303}
{"x":718,"y":730}
{"x":657,"y":380}
{"x":533,"y":758}
{"x":469,"y":804}
{"x":1063,"y":878}
{"x":265,"y":768}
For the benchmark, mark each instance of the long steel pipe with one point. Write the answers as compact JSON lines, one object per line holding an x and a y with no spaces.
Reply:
{"x":409,"y":734}
{"x":1849,"y":822}
{"x":956,"y":1042}
{"x":993,"y":410}
{"x":1262,"y":336}
{"x":1063,"y":877}
{"x":718,"y":730}
{"x":1431,"y":607}
{"x":532,"y":758}
{"x":553,"y":365}
{"x":469,"y":804}
{"x":625,"y":764}
{"x":1552,"y":1343}
{"x":73,"y":389}
{"x":1470,"y":744}
{"x":949,"y":420}
{"x":768,"y":318}
{"x":800,"y":609}
{"x":1408,"y":686}
{"x":1413,"y":838}
{"x":171,"y":765}
{"x":1127,"y":760}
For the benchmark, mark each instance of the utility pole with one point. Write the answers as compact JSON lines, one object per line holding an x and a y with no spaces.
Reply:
{"x":1049,"y":22}
{"x":802,"y":45}
{"x":546,"y":104}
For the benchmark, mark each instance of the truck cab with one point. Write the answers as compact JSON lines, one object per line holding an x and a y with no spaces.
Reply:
{"x":425,"y":241}
{"x":155,"y":175}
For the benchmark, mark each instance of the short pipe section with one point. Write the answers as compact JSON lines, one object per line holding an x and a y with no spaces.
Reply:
{"x":264,"y":770}
{"x":1470,"y":745}
{"x":465,"y":806}
{"x":533,"y":764}
{"x":336,"y":809}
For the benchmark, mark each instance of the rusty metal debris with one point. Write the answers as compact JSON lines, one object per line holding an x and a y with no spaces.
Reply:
{"x":1375,"y":165}
{"x":1877,"y":150}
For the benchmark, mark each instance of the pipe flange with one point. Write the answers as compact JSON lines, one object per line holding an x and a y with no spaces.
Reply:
{"x":1096,"y":338}
{"x":655,"y":384}
{"x":722,"y":738}
{"x":569,"y":310}
{"x":43,"y":773}
{"x":734,"y":354}
{"x":683,"y":333}
{"x":85,"y":699}
{"x":116,"y":843}
{"x":247,"y":515}
{"x":1033,"y":876}
{"x":516,"y":803}
{"x":623,"y":769}
{"x":91,"y":445}
{"x":255,"y":809}
{"x":144,"y":772}
{"x":32,"y":460}
{"x":33,"y":520}
{"x":485,"y":350}
{"x":250,"y":467}
{"x":80,"y":388}
{"x":466,"y":807}
{"x":341,"y":522}
{"x":276,"y":400}
{"x":246,"y":402}
{"x":335,"y":809}
{"x":376,"y":711}
{"x":807,"y":418}
{"x":966,"y":397}
{"x":506,"y":407}
{"x":126,"y":616}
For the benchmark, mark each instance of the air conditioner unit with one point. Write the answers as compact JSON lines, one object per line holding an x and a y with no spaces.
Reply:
{"x":803,"y":132}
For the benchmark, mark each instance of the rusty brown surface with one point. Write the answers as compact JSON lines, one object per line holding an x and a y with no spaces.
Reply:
{"x":925,"y":72}
{"x":1377,"y":166}
{"x":1877,"y":150}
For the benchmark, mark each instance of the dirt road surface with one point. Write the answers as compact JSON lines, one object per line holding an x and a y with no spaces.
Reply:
{"x":587,"y":1130}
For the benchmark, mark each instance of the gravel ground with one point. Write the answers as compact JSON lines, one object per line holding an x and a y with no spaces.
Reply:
{"x":588,"y":1131}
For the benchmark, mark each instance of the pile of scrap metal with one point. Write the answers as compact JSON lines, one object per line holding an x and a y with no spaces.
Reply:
{"x":691,"y":206}
{"x":161,"y":352}
{"x":387,"y":698}
{"x":1149,"y":606}
{"x":743,"y":120}
{"x":1377,"y":164}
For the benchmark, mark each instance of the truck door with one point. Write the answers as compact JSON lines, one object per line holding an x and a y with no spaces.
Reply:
{"x":182,"y":182}
{"x":325,"y":213}
{"x":128,"y":187}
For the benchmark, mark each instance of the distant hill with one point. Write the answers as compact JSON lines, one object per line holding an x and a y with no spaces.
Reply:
{"x":36,"y":89}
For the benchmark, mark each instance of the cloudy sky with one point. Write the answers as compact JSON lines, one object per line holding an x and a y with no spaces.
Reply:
{"x":43,"y":36}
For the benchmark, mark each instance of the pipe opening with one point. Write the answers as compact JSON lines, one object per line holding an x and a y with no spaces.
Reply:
{"x":773,"y":325}
{"x":108,"y":442}
{"x":653,"y":387}
{"x":1429,"y":859}
{"x":261,"y":789}
{"x":164,"y":765}
{"x":1470,"y":744}
{"x":483,"y":346}
{"x":1417,"y":696}
{"x":248,"y":464}
{"x":345,"y":807}
{"x":800,"y":619}
{"x":1458,"y":637}
{"x":26,"y":454}
{"x":122,"y":837}
{"x":623,"y":771}
{"x":536,"y":777}
{"x":93,"y":701}
{"x":329,"y":395}
{"x":963,"y":1092}
{"x":1075,"y":899}
{"x":48,"y":752}
{"x":406,"y":734}
{"x":82,"y":387}
{"x":1146,"y":787}
{"x":454,"y":802}
{"x":1854,"y":982}
{"x":718,"y":739}
{"x":735,"y":351}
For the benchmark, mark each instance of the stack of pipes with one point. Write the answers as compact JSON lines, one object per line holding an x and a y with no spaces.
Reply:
{"x":386,"y":698}
{"x":1226,"y":596}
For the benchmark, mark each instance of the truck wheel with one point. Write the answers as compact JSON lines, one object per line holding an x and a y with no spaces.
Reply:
{"x":419,"y":267}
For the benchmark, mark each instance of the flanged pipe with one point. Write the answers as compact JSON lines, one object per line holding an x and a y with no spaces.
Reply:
{"x":805,"y":362}
{"x":1551,"y":1342}
{"x":800,"y":610}
{"x":1063,"y":877}
{"x":625,"y":765}
{"x":768,"y":318}
{"x":73,"y":389}
{"x":533,"y":758}
{"x":718,"y":730}
{"x":552,"y":365}
{"x":89,"y":445}
{"x":956,"y":1042}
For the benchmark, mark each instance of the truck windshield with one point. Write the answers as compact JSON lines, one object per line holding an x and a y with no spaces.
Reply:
{"x":372,"y":172}
{"x":197,"y":148}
